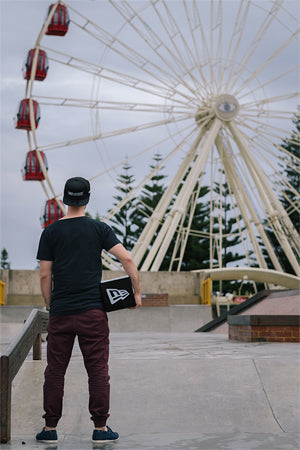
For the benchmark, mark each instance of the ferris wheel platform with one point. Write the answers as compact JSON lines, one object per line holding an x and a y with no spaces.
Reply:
{"x":170,"y":391}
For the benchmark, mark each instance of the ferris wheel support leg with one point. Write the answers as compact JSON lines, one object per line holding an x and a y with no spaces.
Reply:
{"x":267,"y":195}
{"x":242,"y":201}
{"x":281,"y":215}
{"x":195,"y":175}
{"x":232,"y":178}
{"x":183,"y":231}
{"x":153,"y":223}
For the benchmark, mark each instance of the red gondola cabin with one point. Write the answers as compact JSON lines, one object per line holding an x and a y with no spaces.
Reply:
{"x":60,"y":21}
{"x":23,"y":116}
{"x":52,"y":213}
{"x":32,"y":169}
{"x":41,"y":68}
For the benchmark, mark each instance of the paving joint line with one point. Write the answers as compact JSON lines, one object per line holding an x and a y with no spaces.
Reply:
{"x":266,"y":396}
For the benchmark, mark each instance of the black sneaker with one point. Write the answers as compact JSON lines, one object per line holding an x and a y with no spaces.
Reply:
{"x":48,"y":437}
{"x":100,"y":436}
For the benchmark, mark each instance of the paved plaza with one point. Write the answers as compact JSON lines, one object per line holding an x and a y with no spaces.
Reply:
{"x":172,"y":391}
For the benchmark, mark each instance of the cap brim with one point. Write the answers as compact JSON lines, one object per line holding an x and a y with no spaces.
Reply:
{"x":75,"y":202}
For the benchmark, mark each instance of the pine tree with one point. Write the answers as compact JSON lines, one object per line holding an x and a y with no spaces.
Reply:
{"x":290,"y":169}
{"x":123,"y":221}
{"x":97,"y":216}
{"x":291,"y":172}
{"x":230,"y":234}
{"x":5,"y":264}
{"x":149,"y":197}
{"x":229,"y":227}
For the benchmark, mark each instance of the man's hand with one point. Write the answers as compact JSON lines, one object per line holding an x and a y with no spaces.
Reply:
{"x":120,"y":252}
{"x":138,"y":300}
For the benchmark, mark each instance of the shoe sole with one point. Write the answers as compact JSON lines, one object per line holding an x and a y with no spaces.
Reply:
{"x":104,"y":441}
{"x":45,"y":441}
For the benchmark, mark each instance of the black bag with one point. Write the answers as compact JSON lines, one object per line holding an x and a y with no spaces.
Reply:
{"x":117,"y":294}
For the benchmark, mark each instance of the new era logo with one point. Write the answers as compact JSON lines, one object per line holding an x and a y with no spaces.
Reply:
{"x":115,"y":295}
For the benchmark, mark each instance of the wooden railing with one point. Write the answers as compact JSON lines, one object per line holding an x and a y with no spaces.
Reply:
{"x":13,"y":358}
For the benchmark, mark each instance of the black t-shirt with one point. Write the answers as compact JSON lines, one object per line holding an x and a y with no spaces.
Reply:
{"x":75,"y":245}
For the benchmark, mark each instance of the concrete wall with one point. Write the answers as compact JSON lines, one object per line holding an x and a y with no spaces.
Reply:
{"x":22,"y":287}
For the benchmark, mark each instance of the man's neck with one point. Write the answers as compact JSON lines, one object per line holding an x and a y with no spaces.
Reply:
{"x":75,"y":211}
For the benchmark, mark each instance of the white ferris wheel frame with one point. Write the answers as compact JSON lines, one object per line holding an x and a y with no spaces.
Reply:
{"x":167,"y":220}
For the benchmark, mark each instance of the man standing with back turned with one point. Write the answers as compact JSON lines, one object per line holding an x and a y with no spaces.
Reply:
{"x":70,"y":274}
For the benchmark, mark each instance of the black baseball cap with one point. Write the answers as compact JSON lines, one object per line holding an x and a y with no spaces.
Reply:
{"x":77,"y":191}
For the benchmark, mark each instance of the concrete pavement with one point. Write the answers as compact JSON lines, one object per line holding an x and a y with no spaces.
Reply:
{"x":174,"y":391}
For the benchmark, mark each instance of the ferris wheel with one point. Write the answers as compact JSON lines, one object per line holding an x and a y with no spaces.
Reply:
{"x":209,"y":85}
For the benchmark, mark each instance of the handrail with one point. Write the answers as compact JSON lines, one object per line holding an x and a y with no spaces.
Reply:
{"x":13,"y":358}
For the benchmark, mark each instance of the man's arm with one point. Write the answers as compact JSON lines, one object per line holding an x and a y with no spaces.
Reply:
{"x":120,"y":252}
{"x":46,"y":281}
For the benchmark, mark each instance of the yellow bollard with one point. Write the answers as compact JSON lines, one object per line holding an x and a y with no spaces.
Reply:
{"x":206,"y":292}
{"x":2,"y":293}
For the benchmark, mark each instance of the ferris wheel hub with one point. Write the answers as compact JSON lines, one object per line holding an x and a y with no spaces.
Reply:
{"x":226,"y":107}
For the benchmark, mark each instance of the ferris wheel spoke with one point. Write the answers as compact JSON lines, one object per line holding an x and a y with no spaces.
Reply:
{"x":267,"y":62}
{"x":186,"y":57}
{"x":272,"y":80}
{"x":110,"y":105}
{"x":174,"y":61}
{"x":270,"y":130}
{"x":151,"y":38}
{"x":151,"y":147}
{"x":269,"y":18}
{"x":109,"y":134}
{"x":254,"y":105}
{"x":264,"y":143}
{"x":262,"y":152}
{"x":193,"y":26}
{"x":267,"y":150}
{"x":217,"y":24}
{"x":203,"y":41}
{"x":270,"y":143}
{"x":145,"y":64}
{"x":115,"y":76}
{"x":268,"y":100}
{"x":236,"y":39}
{"x":148,"y":177}
{"x":268,"y":114}
{"x":264,"y":133}
{"x":211,"y":50}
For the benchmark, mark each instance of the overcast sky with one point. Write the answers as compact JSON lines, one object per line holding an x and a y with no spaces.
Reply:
{"x":22,"y":202}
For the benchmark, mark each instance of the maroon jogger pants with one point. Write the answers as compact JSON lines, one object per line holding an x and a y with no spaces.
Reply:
{"x":91,"y":327}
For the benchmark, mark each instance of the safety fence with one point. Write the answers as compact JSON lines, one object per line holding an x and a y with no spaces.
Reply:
{"x":12,"y":359}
